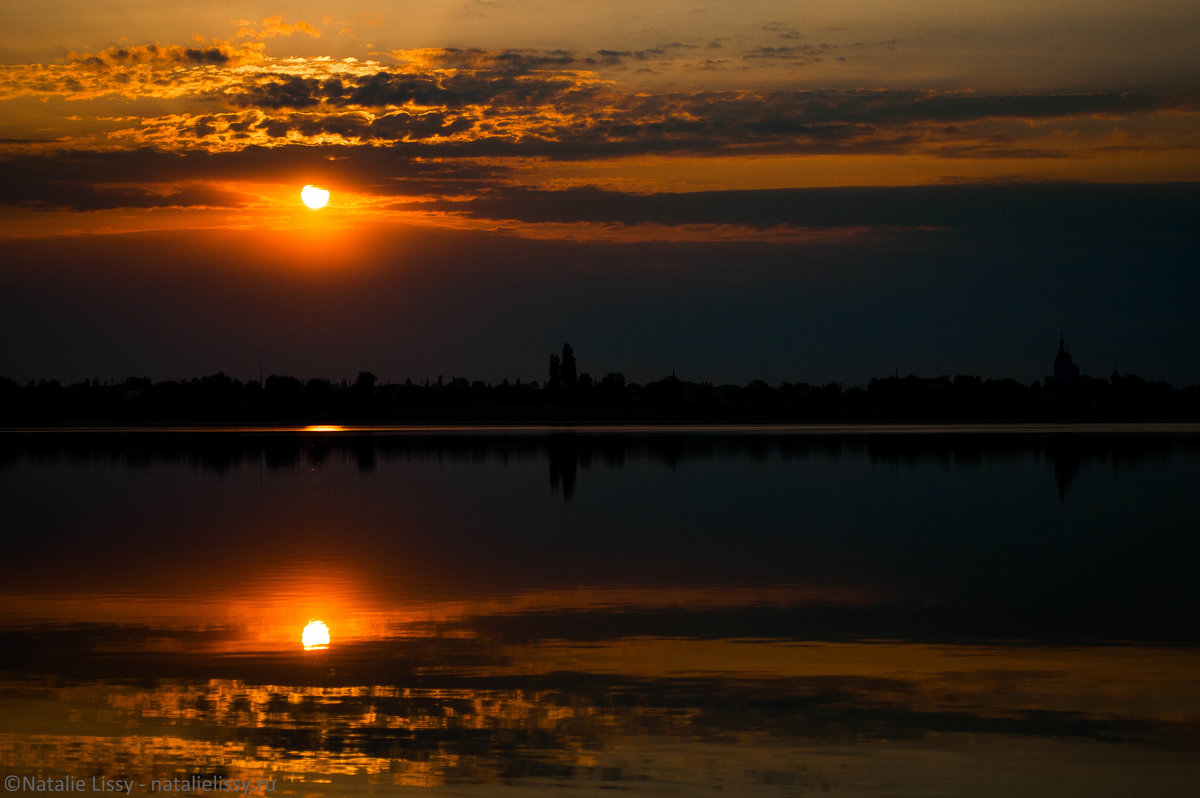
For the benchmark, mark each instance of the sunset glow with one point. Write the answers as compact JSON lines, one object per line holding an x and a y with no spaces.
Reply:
{"x":504,"y":173}
{"x":739,"y":397}
{"x":314,"y":197}
{"x":315,"y":635}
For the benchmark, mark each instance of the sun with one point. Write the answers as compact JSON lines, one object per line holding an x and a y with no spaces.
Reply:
{"x":314,"y":197}
{"x":315,"y":635}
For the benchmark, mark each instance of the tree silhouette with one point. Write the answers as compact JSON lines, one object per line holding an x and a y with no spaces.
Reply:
{"x":363,"y":388}
{"x":283,"y":388}
{"x":568,"y":367}
{"x":614,"y":382}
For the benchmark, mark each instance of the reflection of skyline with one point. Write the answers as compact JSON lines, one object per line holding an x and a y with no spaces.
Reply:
{"x":570,"y":452}
{"x":1066,"y":469}
{"x":963,"y":534}
{"x":755,"y":614}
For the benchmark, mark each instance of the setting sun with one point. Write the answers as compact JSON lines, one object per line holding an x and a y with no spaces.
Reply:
{"x":314,"y":197}
{"x":315,"y":635}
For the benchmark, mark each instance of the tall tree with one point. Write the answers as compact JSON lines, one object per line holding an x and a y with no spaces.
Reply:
{"x":569,"y":377}
{"x":365,"y":383}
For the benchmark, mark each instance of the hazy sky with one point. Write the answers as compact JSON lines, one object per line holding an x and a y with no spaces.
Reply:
{"x":788,"y":191}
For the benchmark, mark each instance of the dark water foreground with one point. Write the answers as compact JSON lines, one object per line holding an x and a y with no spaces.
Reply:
{"x":763,"y":611}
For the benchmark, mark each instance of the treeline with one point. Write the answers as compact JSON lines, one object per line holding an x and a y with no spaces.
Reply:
{"x":572,"y":396}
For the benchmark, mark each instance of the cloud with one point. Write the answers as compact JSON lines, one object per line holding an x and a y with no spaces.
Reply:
{"x":52,"y":180}
{"x":819,"y":310}
{"x":791,"y":55}
{"x":557,"y":105}
{"x":395,"y":126}
{"x":614,"y":57}
{"x":508,"y":61}
{"x":78,"y":196}
{"x":275,"y":26}
{"x":900,"y":106}
{"x":522,"y":104}
{"x":393,"y":89}
{"x":215,"y":53}
{"x":783,"y":30}
{"x":1137,"y":210}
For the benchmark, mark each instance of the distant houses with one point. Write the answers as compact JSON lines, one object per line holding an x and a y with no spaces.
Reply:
{"x":570,"y":396}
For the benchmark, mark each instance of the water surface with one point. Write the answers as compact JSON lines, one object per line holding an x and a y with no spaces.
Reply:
{"x":965,"y":610}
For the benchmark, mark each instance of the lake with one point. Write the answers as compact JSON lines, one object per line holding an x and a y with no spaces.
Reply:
{"x":974,"y":610}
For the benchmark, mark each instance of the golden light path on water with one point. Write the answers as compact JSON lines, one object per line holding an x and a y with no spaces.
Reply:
{"x":938,"y":715}
{"x":455,"y":680}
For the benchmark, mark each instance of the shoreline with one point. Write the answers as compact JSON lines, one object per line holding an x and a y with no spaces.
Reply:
{"x":823,"y":427}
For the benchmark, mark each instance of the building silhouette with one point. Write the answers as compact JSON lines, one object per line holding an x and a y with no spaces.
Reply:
{"x":1065,"y":369}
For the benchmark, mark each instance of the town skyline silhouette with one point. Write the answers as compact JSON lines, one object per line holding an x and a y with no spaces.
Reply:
{"x":569,"y":394}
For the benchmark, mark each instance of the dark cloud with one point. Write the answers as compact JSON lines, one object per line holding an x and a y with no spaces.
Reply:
{"x":1069,"y":208}
{"x":76,"y":196}
{"x":805,"y":111}
{"x":396,"y":126}
{"x":408,"y":169}
{"x":593,"y":120}
{"x":80,"y":179}
{"x":214,"y":54}
{"x":613,"y":57}
{"x":946,"y":107}
{"x":294,"y":92}
{"x":510,"y":61}
{"x":782,"y":30}
{"x":795,"y":55}
{"x":424,"y":300}
{"x":552,"y":104}
{"x":389,"y":89}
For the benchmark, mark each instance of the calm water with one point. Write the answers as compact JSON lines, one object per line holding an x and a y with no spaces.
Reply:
{"x":781,"y":611}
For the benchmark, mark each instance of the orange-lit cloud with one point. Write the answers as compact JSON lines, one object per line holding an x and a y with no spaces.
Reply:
{"x":480,"y":136}
{"x":275,"y":26}
{"x":559,"y":105}
{"x":540,"y":104}
{"x":214,"y":53}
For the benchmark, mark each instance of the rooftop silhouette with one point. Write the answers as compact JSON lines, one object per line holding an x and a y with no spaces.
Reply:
{"x":569,"y":395}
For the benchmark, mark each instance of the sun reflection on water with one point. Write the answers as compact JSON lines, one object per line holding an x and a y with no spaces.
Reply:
{"x":674,"y":723}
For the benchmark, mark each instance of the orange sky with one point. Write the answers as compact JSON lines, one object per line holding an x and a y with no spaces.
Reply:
{"x":466,"y":99}
{"x":624,"y":125}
